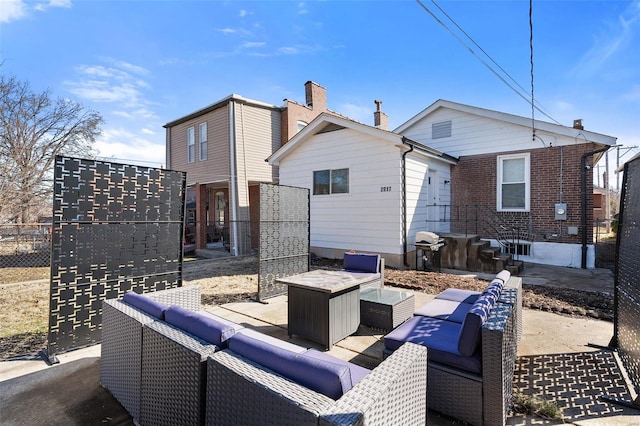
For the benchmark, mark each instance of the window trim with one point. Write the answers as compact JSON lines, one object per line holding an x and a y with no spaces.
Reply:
{"x":191,"y":144}
{"x":203,"y":142}
{"x":527,"y":181}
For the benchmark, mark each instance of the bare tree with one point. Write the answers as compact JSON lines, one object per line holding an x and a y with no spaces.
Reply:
{"x":34,"y":128}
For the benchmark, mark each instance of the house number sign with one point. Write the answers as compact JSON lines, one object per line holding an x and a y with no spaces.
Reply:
{"x":385,"y":189}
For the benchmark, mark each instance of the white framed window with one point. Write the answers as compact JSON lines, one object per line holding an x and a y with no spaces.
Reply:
{"x":191,"y":144}
{"x":301,"y":125}
{"x":331,"y":182}
{"x":203,"y":141}
{"x":513,"y":182}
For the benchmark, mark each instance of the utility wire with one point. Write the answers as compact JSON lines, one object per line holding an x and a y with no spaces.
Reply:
{"x":533,"y":111}
{"x":488,"y":66}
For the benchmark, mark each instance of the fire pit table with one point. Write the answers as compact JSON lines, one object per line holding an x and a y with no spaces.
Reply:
{"x":323,"y":304}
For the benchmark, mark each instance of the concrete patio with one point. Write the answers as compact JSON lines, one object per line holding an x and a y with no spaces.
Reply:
{"x":69,"y":393}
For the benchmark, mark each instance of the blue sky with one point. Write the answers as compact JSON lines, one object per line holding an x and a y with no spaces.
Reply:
{"x":144,"y":63}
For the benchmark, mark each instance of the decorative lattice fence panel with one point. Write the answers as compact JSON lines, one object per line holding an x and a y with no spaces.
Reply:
{"x":115,"y":228}
{"x":284,"y":236}
{"x":627,"y":278}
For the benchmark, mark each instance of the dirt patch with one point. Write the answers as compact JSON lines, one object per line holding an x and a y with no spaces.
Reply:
{"x":24,"y":307}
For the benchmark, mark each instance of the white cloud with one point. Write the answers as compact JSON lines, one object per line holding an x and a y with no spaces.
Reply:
{"x":610,"y":41}
{"x":148,"y":131}
{"x":12,"y":10}
{"x":251,"y":44}
{"x":117,"y":83}
{"x":288,"y":50}
{"x":124,"y":146}
{"x":228,"y":31}
{"x":104,"y":91}
{"x":41,"y":7}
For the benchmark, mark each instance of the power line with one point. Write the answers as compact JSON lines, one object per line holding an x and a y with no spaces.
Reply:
{"x":522,"y":92}
{"x":533,"y":111}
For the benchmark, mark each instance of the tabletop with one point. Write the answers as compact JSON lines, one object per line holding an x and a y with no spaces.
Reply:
{"x":329,"y":281}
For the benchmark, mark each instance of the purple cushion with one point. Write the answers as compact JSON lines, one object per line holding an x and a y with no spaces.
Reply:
{"x":205,"y":327}
{"x":360,"y":262}
{"x":439,"y":336}
{"x":459,"y":295}
{"x":357,"y":373}
{"x":145,"y":304}
{"x":323,"y":374}
{"x":445,"y":310}
{"x":472,"y":325}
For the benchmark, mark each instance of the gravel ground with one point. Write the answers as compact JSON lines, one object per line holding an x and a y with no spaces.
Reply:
{"x":236,"y":279}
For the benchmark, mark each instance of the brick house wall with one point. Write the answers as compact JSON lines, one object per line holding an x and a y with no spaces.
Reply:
{"x":316,"y":103}
{"x":474,"y":183}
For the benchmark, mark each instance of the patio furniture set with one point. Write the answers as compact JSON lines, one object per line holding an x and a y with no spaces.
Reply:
{"x":169,"y":362}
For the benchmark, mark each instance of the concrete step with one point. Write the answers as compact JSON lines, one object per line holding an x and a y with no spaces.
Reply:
{"x":515,"y":267}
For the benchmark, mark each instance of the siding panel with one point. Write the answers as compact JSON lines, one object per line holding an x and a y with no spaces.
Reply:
{"x":365,"y":219}
{"x":216,"y":167}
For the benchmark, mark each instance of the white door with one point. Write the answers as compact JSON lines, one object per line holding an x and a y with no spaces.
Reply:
{"x":433,"y":210}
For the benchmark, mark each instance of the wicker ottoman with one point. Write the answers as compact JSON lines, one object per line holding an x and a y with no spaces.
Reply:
{"x":385,"y":309}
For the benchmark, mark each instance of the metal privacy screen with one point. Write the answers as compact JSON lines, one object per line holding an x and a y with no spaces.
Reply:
{"x":627,"y":279}
{"x":284,"y":236}
{"x":115,"y":228}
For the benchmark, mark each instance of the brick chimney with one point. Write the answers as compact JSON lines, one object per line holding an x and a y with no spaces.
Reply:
{"x":577,"y":124}
{"x":380,"y":119}
{"x":316,"y":96}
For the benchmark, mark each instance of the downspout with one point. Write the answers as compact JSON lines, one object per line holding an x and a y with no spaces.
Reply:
{"x":583,"y":182}
{"x":404,"y":204}
{"x":233,"y":187}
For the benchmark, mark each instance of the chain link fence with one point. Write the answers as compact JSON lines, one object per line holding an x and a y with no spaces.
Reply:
{"x":25,"y":245}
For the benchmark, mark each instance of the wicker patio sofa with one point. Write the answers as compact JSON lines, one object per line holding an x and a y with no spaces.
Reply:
{"x":193,"y":370}
{"x":241,"y":390}
{"x":472,"y":339}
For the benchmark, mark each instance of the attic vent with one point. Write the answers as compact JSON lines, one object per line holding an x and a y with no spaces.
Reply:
{"x":441,"y":130}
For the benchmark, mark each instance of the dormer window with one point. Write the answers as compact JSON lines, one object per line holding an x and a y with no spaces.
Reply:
{"x":301,"y":125}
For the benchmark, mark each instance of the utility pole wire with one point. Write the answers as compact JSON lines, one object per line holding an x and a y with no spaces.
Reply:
{"x":488,"y":66}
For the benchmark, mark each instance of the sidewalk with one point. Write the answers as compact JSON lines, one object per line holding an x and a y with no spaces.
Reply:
{"x":69,"y":393}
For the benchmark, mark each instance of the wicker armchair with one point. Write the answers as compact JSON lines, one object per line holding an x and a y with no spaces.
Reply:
{"x":121,"y":349}
{"x":240,"y":391}
{"x":173,"y":376}
{"x":480,"y":399}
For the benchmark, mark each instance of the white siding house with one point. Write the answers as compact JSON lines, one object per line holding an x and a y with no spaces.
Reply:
{"x":554,"y":173}
{"x":369,"y":187}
